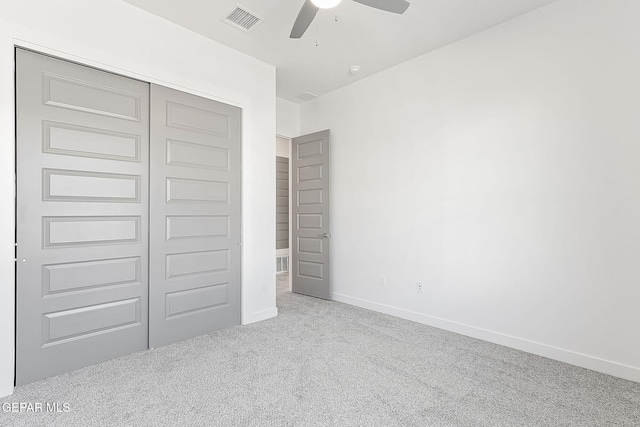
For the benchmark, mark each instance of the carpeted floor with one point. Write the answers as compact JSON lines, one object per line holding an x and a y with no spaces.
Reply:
{"x":322,"y":363}
{"x":282,"y":283}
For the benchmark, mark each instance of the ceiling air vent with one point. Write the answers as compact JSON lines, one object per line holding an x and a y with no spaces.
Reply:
{"x":242,"y":19}
{"x":307,"y":96}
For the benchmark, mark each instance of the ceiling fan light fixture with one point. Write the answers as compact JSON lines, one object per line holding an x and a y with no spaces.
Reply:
{"x":326,"y":4}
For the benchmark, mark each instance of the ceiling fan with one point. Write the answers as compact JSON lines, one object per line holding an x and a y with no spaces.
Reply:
{"x":310,"y":9}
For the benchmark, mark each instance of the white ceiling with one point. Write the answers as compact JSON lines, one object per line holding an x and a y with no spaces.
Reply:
{"x":373,"y":39}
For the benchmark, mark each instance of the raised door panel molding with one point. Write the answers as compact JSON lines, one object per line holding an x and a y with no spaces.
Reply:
{"x":195,"y":119}
{"x":311,"y":245}
{"x":82,"y":141}
{"x":310,"y":197}
{"x":188,"y":264}
{"x":310,"y":149}
{"x":197,"y":226}
{"x":311,"y":270}
{"x":88,"y":231}
{"x":88,"y":321}
{"x":78,"y":95}
{"x":187,"y":154}
{"x":181,"y":190}
{"x":310,"y":221}
{"x":310,"y":173}
{"x":190,"y":301}
{"x":89,"y":275}
{"x":81,"y":186}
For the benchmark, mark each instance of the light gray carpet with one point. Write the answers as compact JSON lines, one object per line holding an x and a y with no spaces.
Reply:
{"x":322,"y":363}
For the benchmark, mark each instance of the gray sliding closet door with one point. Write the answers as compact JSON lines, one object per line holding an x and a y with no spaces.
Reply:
{"x":195,"y":225}
{"x":82,"y":216}
{"x":311,"y":235}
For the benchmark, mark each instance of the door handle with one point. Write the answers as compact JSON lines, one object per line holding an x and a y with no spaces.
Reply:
{"x":325,"y":235}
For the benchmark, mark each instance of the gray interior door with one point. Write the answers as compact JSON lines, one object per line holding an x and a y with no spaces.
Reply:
{"x":82,"y":216}
{"x":195,"y":226}
{"x":310,"y":215}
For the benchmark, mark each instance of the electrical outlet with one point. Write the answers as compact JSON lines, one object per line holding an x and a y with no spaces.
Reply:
{"x":420,"y":287}
{"x":383,"y":281}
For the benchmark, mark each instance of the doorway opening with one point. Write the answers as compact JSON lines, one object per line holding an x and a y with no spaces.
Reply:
{"x":307,"y":199}
{"x":283,"y":214}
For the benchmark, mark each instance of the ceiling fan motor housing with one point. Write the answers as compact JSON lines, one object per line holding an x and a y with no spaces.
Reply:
{"x":310,"y":9}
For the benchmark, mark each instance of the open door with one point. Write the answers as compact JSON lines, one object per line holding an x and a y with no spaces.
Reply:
{"x":310,"y":215}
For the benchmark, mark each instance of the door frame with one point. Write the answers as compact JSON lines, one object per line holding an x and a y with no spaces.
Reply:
{"x":7,"y":304}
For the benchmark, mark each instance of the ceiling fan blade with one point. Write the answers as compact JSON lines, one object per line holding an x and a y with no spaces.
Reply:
{"x":395,"y":6}
{"x":304,"y":19}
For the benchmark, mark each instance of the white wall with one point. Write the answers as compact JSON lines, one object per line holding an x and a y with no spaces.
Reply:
{"x":287,"y":118}
{"x":119,"y":37}
{"x":503,"y":171}
{"x":283,"y":146}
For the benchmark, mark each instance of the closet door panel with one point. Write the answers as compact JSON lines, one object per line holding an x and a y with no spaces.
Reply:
{"x":82,"y":216}
{"x":195,"y":222}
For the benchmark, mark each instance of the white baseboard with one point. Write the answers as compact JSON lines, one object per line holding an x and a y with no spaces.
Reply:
{"x":261,"y":315}
{"x":579,"y":359}
{"x":6,"y":390}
